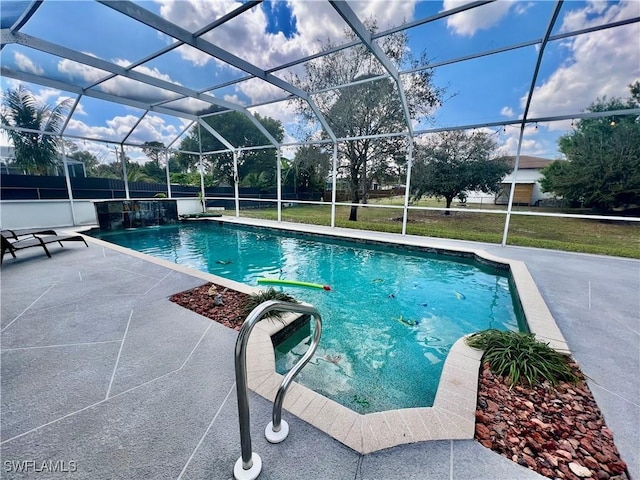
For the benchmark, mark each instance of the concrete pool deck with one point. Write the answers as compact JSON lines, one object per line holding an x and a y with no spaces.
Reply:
{"x":100,"y":369}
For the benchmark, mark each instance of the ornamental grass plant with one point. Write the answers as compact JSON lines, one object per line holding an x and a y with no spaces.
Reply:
{"x":522,"y":359}
{"x":265,"y":295}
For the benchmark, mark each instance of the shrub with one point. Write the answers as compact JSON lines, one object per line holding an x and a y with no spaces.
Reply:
{"x":160,"y":195}
{"x":264,"y":295}
{"x":521,"y":358}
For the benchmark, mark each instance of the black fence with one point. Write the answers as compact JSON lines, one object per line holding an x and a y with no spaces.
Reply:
{"x":31,"y":187}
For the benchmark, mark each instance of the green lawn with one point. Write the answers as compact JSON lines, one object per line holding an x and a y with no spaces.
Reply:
{"x":576,"y":235}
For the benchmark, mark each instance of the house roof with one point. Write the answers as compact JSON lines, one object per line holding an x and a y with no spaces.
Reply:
{"x":529,"y":163}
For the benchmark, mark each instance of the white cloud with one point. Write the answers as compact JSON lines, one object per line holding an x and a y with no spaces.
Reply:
{"x":260,"y":91}
{"x":47,"y":96}
{"x":115,"y":129}
{"x":536,"y":141}
{"x":509,"y":146}
{"x":79,"y":110}
{"x":467,"y":23}
{"x":151,"y":128}
{"x":232,"y":99}
{"x":246,"y":36}
{"x":118,"y":85}
{"x":152,"y":72}
{"x":25,"y":64}
{"x":599,"y":64}
{"x":521,"y":8}
{"x":83,"y":72}
{"x":507,"y":111}
{"x":282,"y":111}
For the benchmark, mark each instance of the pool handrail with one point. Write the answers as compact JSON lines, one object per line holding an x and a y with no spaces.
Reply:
{"x":249,"y":464}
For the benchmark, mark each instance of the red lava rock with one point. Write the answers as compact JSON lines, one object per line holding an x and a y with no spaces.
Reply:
{"x":230,"y":314}
{"x":483,"y":417}
{"x":564,"y":454}
{"x":547,"y":472}
{"x":618,"y":467}
{"x":492,"y":406}
{"x":540,"y":423}
{"x":561,"y":426}
{"x":552,"y":459}
{"x":574,"y":442}
{"x":531,"y":463}
{"x":487,"y":443}
{"x":534,"y":445}
{"x":482,"y":431}
{"x":580,"y":470}
{"x":591,"y":462}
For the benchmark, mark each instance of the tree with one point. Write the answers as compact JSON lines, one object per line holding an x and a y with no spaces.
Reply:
{"x":88,"y":159}
{"x":308,"y":170}
{"x":256,"y":180}
{"x":191,"y":179}
{"x":153,"y":169}
{"x":454,"y":162}
{"x":602,"y":166}
{"x":153,"y":151}
{"x":136,"y":173}
{"x":371,"y":107}
{"x":35,"y":153}
{"x":635,"y":91}
{"x":109,"y":170}
{"x":239,"y":131}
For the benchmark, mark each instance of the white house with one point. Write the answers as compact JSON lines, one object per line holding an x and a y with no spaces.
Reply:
{"x":527,"y":190}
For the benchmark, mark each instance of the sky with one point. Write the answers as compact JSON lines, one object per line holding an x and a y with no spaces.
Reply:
{"x":574,"y":72}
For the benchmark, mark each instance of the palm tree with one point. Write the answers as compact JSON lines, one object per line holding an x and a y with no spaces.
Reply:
{"x":256,"y":180}
{"x":35,"y":153}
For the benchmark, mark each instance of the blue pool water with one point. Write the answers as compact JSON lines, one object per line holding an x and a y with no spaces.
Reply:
{"x":389,"y":320}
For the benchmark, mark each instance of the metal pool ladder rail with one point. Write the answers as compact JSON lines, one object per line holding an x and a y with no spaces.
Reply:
{"x":249,"y":465}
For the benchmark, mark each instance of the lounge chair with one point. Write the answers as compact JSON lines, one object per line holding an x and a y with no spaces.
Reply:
{"x":16,"y":234}
{"x":12,"y":247}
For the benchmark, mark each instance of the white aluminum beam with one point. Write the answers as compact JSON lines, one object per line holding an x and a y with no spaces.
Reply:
{"x":134,"y":127}
{"x":554,"y":118}
{"x":353,"y":43}
{"x":184,"y":130}
{"x":47,"y":82}
{"x":534,"y":78}
{"x":70,"y":114}
{"x":528,"y":43}
{"x":91,"y":61}
{"x":160,"y":24}
{"x":26,"y":15}
{"x":365,"y":35}
{"x":177,"y":44}
{"x":82,"y":58}
{"x":226,"y":17}
{"x":213,"y":132}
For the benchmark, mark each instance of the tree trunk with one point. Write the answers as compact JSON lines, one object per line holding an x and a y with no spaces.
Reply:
{"x":355,"y":195}
{"x":353,"y":216}
{"x":449,"y":200}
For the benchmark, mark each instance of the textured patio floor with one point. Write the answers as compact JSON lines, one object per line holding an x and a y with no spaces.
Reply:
{"x":106,"y":377}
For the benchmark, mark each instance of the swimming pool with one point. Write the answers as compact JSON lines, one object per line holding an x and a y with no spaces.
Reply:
{"x":389,"y":319}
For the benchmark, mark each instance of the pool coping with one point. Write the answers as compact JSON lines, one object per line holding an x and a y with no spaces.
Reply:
{"x":452,"y":416}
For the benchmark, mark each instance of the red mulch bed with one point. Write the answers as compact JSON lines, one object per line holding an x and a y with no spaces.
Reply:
{"x":230,"y":313}
{"x":559,"y":433}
